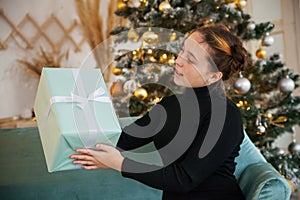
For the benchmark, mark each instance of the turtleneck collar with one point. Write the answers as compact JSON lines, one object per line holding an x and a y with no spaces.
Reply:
{"x":205,"y":91}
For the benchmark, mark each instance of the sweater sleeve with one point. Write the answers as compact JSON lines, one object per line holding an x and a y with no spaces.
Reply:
{"x":189,"y":171}
{"x":142,"y":131}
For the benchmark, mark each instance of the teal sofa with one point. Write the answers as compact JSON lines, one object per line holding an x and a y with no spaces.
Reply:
{"x":23,"y":174}
{"x":257,"y":178}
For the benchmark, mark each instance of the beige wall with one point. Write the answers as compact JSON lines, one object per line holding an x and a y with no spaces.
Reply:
{"x":285,"y":15}
{"x":17,"y":85}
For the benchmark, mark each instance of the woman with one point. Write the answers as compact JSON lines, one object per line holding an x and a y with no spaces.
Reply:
{"x":197,"y":134}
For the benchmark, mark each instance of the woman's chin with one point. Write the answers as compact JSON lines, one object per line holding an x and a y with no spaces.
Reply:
{"x":178,"y":82}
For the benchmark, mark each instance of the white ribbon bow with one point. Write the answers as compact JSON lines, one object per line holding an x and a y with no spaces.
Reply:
{"x":94,"y":96}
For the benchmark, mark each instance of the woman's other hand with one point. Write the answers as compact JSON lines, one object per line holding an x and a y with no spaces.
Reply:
{"x":103,"y":158}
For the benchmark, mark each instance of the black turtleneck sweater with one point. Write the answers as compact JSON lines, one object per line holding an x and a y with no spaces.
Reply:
{"x":198,"y":135}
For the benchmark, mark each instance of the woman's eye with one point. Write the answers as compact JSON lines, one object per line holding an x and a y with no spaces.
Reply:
{"x":190,"y":61}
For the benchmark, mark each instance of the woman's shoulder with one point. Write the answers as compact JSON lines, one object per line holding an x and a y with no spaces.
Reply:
{"x":231,"y":106}
{"x":168,"y":99}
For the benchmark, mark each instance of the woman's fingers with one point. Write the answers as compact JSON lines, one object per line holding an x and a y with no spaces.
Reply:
{"x":84,"y":151}
{"x":89,"y":167}
{"x":82,"y":157}
{"x":83,"y":162}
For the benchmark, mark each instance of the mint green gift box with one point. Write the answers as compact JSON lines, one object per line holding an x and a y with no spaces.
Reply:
{"x":73,"y":110}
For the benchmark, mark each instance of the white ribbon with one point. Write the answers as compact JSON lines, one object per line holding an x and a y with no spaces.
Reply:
{"x":82,"y":100}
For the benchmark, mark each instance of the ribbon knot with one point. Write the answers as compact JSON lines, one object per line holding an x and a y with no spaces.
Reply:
{"x":97,"y":95}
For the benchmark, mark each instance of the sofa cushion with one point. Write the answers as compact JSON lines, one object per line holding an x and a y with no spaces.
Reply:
{"x":248,"y":154}
{"x":262,"y":181}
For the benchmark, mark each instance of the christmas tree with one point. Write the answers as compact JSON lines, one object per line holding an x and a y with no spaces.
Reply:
{"x":263,"y":93}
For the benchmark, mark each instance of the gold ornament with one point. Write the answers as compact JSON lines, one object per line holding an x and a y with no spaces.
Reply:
{"x":157,"y":100}
{"x":149,"y":51}
{"x":116,"y":89}
{"x":150,"y":37}
{"x":278,"y":121}
{"x":117,"y":71}
{"x":152,"y":59}
{"x":172,"y":37}
{"x":171,"y":60}
{"x":164,"y":6}
{"x":241,"y":4}
{"x":122,"y":6}
{"x":261,"y":53}
{"x":163,"y":58}
{"x":154,"y":69}
{"x":140,"y":93}
{"x":133,"y":35}
{"x":243,"y":105}
{"x":137,"y":54}
{"x":143,"y":4}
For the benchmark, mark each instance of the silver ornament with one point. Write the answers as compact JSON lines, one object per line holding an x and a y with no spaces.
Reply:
{"x":251,"y":26}
{"x":286,"y":84}
{"x":241,"y":85}
{"x":294,"y":147}
{"x":267,"y":40}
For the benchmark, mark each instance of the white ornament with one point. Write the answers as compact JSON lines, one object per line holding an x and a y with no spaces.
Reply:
{"x":241,"y":85}
{"x":129,"y":86}
{"x":286,"y":84}
{"x":267,"y":40}
{"x":294,"y":147}
{"x":262,"y":63}
{"x":261,"y":129}
{"x":251,"y":26}
{"x":133,"y":3}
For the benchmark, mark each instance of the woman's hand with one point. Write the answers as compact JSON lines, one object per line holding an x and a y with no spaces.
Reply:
{"x":104,"y":157}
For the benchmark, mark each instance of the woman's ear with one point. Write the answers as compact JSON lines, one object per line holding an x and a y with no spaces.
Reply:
{"x":214,"y":77}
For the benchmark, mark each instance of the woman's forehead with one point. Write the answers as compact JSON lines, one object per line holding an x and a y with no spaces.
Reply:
{"x":196,"y":44}
{"x":196,"y":39}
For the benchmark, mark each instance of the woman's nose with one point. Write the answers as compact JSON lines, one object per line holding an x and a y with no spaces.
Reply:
{"x":179,"y":61}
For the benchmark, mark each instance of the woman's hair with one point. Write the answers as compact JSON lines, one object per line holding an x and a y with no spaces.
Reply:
{"x":226,"y":50}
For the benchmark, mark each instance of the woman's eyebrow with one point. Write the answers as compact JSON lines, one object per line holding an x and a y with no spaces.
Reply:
{"x":192,"y":55}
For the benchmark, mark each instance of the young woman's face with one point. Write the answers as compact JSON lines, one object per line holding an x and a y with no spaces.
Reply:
{"x":192,"y":66}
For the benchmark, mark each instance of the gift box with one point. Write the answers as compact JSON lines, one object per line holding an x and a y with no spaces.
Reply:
{"x":73,"y":110}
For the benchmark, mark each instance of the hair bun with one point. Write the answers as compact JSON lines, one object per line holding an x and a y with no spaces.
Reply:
{"x":240,"y":58}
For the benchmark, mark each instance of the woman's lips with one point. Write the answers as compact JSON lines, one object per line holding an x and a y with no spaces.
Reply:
{"x":178,"y":73}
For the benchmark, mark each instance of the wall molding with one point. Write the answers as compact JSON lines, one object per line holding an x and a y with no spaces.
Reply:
{"x":18,"y":34}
